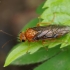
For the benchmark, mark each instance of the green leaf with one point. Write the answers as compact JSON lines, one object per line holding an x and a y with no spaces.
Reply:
{"x":40,"y":10}
{"x":58,"y":6}
{"x":59,"y":18}
{"x":30,"y":24}
{"x":36,"y":57}
{"x":22,"y":49}
{"x":66,"y":42}
{"x":58,"y":62}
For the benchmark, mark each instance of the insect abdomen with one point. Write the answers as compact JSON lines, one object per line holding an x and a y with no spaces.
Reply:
{"x":51,"y":31}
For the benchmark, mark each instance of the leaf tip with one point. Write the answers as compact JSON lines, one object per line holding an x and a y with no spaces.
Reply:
{"x":4,"y":65}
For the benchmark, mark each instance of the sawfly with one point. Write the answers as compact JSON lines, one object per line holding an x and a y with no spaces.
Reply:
{"x":44,"y":33}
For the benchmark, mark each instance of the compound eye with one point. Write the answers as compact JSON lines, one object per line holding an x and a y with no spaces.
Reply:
{"x":23,"y":40}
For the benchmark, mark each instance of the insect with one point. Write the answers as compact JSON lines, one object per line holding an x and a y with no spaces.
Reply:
{"x":43,"y":33}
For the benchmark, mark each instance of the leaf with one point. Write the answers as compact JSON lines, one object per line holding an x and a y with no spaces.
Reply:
{"x":40,"y":10}
{"x":58,"y":62}
{"x":36,"y":57}
{"x":58,"y":6}
{"x":22,"y":49}
{"x":59,"y":18}
{"x":30,"y":24}
{"x":66,"y":42}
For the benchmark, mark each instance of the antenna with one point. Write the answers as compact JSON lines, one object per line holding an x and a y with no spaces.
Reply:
{"x":5,"y":33}
{"x":7,"y":42}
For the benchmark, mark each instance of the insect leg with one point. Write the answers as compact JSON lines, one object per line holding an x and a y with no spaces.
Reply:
{"x":46,"y":23}
{"x":28,"y":47}
{"x":44,"y":42}
{"x":38,"y":24}
{"x":53,"y":18}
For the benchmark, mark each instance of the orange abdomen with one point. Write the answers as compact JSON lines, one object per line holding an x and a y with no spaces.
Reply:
{"x":29,"y":34}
